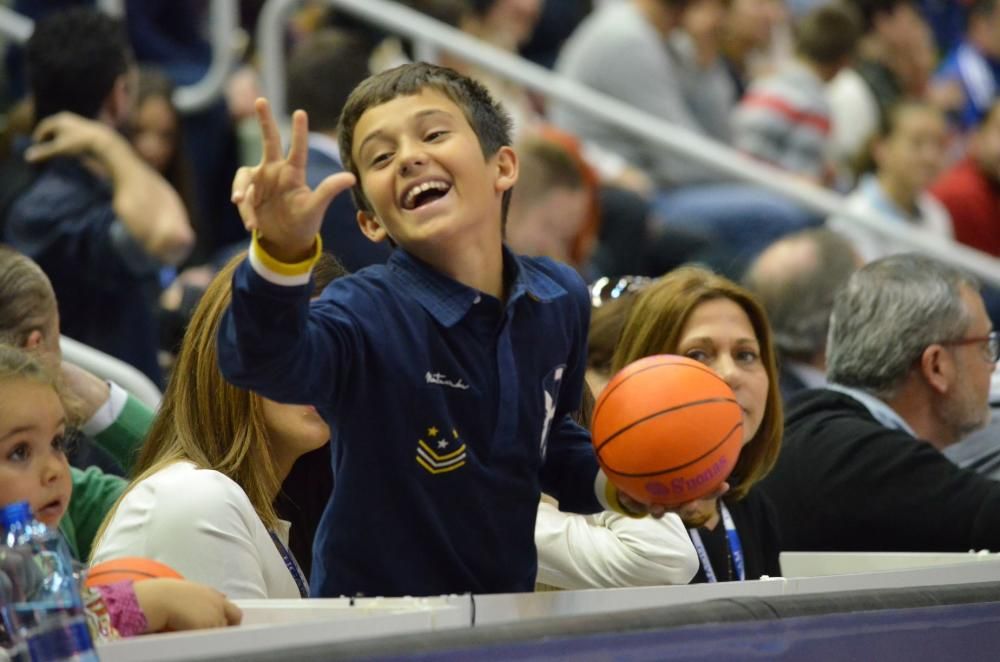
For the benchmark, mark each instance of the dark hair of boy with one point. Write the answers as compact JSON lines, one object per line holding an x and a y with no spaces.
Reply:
{"x":322,"y":71}
{"x":828,"y":35}
{"x":487,"y":118}
{"x":869,"y":10}
{"x":73,"y":59}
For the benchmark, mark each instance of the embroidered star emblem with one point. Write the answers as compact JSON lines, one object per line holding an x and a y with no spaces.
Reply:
{"x":432,"y":431}
{"x":443,"y":443}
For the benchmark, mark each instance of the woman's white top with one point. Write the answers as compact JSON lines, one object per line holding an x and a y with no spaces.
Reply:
{"x":608,"y":550}
{"x":200,"y":523}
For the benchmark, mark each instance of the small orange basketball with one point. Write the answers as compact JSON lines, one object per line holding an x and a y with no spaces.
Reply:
{"x":128,"y":568}
{"x":667,"y":430}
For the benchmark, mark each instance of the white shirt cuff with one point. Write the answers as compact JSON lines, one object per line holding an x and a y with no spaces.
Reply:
{"x":107,"y":413}
{"x":601,"y":490}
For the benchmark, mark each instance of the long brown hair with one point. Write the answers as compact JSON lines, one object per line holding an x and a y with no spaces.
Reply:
{"x":205,"y":420}
{"x":654,"y":326}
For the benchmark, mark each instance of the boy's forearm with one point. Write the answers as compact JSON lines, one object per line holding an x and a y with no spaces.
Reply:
{"x":570,"y":471}
{"x":264,"y":343}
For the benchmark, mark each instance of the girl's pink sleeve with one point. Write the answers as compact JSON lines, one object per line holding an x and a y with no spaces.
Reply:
{"x":126,"y":614}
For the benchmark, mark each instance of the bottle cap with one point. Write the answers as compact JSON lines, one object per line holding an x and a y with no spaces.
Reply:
{"x":15,"y":513}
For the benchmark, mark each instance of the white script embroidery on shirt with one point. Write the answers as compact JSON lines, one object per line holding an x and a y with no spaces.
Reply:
{"x":550,"y":389}
{"x":441,"y":380}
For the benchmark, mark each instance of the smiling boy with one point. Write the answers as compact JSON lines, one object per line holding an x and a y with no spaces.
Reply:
{"x":447,"y":375}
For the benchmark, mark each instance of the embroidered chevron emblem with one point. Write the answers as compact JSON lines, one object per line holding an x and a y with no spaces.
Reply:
{"x":436,"y":463}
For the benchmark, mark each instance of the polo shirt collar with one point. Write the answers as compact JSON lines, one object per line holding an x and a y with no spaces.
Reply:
{"x":448,"y":301}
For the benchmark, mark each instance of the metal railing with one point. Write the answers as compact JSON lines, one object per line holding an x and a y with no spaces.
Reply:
{"x":224,"y":20}
{"x":430,"y":33}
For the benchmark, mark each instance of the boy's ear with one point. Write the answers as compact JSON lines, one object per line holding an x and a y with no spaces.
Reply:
{"x":507,"y":168}
{"x":371,"y":227}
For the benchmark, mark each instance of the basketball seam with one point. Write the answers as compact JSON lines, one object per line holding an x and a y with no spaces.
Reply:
{"x":668,"y":410}
{"x":668,"y":361}
{"x":680,"y":466}
{"x":120,"y":571}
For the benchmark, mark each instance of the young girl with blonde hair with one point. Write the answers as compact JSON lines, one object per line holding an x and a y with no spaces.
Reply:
{"x":34,"y":469}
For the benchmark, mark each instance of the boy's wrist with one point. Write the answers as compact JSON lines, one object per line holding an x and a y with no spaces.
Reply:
{"x":287,"y":254}
{"x":609,"y":497}
{"x":279,"y":271}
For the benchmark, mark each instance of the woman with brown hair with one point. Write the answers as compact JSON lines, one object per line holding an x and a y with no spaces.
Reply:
{"x":206,"y":481}
{"x":695,"y":313}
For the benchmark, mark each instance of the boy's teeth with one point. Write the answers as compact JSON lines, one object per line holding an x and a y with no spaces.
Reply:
{"x":417,"y":190}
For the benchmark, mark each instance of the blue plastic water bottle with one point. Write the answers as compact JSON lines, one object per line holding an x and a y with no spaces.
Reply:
{"x":45,"y":608}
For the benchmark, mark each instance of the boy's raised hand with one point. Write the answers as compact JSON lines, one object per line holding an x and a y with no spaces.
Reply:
{"x":273,"y":197}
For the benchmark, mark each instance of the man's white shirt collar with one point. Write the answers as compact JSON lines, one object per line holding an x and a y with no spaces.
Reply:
{"x":879,"y":410}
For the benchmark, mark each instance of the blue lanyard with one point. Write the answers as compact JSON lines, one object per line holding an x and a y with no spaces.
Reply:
{"x":735,"y":548}
{"x":290,"y":563}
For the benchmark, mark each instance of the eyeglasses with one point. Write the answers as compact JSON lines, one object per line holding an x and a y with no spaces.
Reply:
{"x":604,"y":289}
{"x":992,"y":340}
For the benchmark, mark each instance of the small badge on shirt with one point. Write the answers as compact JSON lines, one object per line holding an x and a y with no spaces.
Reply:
{"x":439,"y":452}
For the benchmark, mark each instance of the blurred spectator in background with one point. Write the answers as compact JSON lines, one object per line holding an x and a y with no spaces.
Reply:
{"x":155,"y":131}
{"x":975,"y":65}
{"x":947,"y":19}
{"x":706,"y":86}
{"x":550,"y":203}
{"x":97,"y":219}
{"x":169,"y":35}
{"x":895,"y":39}
{"x":323,"y":70}
{"x":970,"y":190}
{"x":389,"y":50}
{"x":747,"y":39}
{"x":555,"y":24}
{"x":625,"y":50}
{"x":909,"y":361}
{"x":908,"y":155}
{"x":784,"y":118}
{"x":796,"y":279}
{"x":507,"y":25}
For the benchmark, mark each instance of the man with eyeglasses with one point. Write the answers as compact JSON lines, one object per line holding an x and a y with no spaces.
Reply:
{"x":909,"y":358}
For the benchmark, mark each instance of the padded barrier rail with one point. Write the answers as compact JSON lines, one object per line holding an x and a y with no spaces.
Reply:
{"x":782,"y":627}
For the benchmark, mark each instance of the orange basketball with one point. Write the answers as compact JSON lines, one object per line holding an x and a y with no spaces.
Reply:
{"x":667,"y":429}
{"x":128,"y":568}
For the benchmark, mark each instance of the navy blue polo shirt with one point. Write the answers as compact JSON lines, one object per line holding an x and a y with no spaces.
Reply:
{"x":449,"y":412}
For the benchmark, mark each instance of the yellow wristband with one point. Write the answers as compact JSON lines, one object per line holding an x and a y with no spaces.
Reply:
{"x":285,"y":268}
{"x":611,"y":494}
